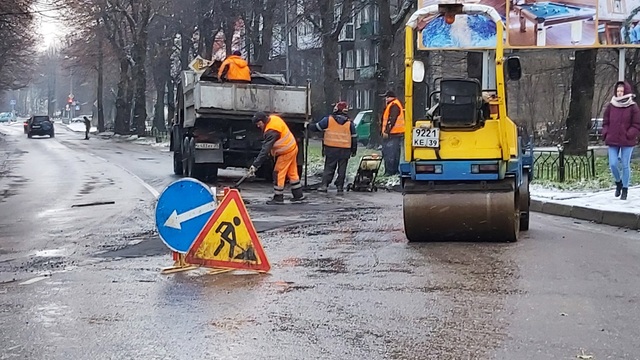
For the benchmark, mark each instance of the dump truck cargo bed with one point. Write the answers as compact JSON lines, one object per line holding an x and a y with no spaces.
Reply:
{"x":235,"y":100}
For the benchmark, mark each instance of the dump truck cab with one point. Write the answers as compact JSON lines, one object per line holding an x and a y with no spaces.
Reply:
{"x":466,"y":171}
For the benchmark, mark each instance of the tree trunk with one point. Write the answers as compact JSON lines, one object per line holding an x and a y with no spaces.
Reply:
{"x":266,"y":38}
{"x":100,"y":90}
{"x":382,"y":72}
{"x":185,"y":50}
{"x":140,"y":79}
{"x":171,"y":102}
{"x":123,"y":105}
{"x":582,"y":90}
{"x":331,"y":85}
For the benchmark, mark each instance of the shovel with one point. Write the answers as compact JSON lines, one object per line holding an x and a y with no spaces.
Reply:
{"x":240,"y":181}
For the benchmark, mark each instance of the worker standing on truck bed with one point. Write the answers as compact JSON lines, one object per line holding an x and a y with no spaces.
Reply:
{"x":340,"y":141}
{"x":280,"y":142}
{"x":235,"y":69}
{"x":392,"y":133}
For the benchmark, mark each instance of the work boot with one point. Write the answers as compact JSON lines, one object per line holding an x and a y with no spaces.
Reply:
{"x":277,"y":200}
{"x":623,"y":195}
{"x":297,"y":195}
{"x":323,"y":188}
{"x":340,"y":191}
{"x":618,"y":188}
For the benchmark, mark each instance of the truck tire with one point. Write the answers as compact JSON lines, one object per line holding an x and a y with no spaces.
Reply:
{"x":212,"y":173}
{"x":525,"y":202}
{"x":178,"y":167}
{"x":185,"y":157}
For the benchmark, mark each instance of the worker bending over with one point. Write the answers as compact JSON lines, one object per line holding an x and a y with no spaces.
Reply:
{"x":339,"y":142}
{"x":280,"y":142}
{"x":235,"y":69}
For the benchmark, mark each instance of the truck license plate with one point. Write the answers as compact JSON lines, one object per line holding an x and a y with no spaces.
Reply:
{"x":423,"y":137}
{"x":207,"y":146}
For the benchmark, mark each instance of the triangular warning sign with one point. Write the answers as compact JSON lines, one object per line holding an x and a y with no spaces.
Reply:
{"x":229,"y":239}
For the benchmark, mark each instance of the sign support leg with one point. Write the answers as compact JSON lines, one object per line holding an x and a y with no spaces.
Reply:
{"x":622,"y":63}
{"x":179,"y":265}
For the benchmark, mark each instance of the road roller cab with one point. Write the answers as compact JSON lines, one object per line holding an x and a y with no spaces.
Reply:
{"x":465,"y":173}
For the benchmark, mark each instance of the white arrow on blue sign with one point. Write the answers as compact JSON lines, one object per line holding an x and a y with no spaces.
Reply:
{"x":182,"y":211}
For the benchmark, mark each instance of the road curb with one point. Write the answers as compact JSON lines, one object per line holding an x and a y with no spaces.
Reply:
{"x":606,"y":217}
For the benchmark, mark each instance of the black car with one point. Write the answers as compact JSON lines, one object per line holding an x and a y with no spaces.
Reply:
{"x":40,"y":125}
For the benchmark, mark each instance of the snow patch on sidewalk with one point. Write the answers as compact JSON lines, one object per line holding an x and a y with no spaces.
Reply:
{"x":601,"y":200}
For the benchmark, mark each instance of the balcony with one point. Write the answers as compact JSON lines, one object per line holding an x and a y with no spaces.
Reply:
{"x":346,"y":74}
{"x":369,"y":29}
{"x":367,"y":72}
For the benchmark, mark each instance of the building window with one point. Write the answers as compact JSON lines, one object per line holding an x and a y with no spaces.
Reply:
{"x":366,"y":103}
{"x":358,"y":99}
{"x":350,"y":59}
{"x":375,"y":55}
{"x":365,"y":14}
{"x":365,"y":57}
{"x":359,"y":58}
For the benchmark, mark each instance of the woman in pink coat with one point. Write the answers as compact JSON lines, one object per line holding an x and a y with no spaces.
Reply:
{"x":620,"y":130}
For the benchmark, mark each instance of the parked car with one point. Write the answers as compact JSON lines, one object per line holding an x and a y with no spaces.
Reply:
{"x":7,"y":117}
{"x":40,"y":125}
{"x":362,"y":122}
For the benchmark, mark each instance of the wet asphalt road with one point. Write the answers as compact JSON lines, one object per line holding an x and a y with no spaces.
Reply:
{"x":84,"y":282}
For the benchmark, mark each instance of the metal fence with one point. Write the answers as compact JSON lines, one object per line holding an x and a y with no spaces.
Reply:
{"x":560,"y":167}
{"x":160,"y":136}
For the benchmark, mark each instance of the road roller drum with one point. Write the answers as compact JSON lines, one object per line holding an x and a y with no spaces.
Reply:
{"x":461,"y":216}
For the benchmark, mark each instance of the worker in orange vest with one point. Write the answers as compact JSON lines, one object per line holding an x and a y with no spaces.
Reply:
{"x":235,"y":69}
{"x":392,"y":133}
{"x":340,"y":141}
{"x":278,"y":141}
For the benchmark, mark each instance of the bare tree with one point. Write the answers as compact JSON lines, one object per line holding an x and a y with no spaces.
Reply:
{"x":17,"y":42}
{"x":582,"y":90}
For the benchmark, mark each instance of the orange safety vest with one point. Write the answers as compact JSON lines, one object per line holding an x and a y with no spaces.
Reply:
{"x":336,"y":135}
{"x":287,"y":142}
{"x":398,"y":127}
{"x":238,"y":68}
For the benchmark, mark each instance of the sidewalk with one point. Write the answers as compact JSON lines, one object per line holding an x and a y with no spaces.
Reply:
{"x":601,"y":207}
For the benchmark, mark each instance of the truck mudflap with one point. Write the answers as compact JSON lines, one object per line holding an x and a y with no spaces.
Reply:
{"x":209,"y":156}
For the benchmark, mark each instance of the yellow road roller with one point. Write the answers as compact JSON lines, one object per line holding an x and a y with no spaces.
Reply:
{"x":466,"y":170}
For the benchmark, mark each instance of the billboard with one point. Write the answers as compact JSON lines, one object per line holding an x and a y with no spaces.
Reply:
{"x":467,"y":31}
{"x":534,"y":24}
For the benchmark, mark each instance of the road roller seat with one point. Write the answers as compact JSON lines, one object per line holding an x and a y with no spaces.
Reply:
{"x":460,"y":103}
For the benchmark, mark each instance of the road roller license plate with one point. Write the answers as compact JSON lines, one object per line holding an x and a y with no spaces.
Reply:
{"x":423,"y":137}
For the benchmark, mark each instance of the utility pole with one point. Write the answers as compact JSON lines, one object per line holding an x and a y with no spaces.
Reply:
{"x":286,"y":43}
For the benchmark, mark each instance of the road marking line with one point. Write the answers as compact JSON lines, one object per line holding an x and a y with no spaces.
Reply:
{"x":150,"y":188}
{"x":34,"y":280}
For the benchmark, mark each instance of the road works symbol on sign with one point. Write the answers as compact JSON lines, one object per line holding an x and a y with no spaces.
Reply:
{"x":229,"y":239}
{"x":182,"y":211}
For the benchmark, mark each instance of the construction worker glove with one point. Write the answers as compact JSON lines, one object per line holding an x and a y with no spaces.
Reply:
{"x":252,"y":171}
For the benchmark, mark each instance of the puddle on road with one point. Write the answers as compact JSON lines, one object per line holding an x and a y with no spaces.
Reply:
{"x":323,"y":265}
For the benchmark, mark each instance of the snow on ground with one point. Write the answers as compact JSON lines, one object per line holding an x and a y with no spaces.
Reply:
{"x":601,"y":200}
{"x":79,"y":127}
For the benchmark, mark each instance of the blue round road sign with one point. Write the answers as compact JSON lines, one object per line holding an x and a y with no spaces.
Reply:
{"x":182,"y":211}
